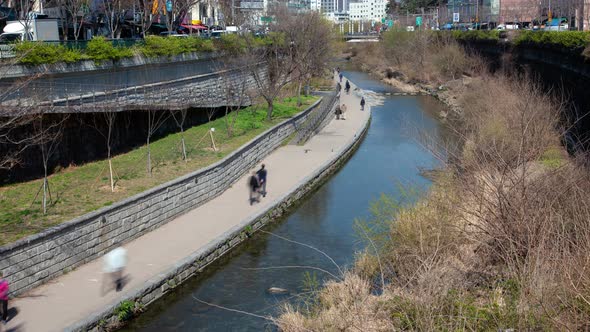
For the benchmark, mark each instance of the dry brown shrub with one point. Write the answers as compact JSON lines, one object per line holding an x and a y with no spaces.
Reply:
{"x":501,"y":241}
{"x":346,"y":306}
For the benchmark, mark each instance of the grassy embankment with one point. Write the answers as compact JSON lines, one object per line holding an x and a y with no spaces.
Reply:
{"x":83,"y":188}
{"x":502,"y":239}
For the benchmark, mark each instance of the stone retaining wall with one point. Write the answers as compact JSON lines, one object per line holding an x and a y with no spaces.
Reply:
{"x":34,"y":260}
{"x":195,"y":263}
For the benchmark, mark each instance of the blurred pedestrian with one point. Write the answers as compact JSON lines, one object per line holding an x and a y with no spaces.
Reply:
{"x":338,"y":111}
{"x":114,"y":264}
{"x":4,"y":297}
{"x":340,"y":77}
{"x":254,"y":184}
{"x":347,"y":87}
{"x":343,"y":111}
{"x":338,"y":88}
{"x":262,"y":178}
{"x":362,"y":103}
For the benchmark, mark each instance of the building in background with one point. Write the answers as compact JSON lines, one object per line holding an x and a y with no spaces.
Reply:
{"x":367,"y":10}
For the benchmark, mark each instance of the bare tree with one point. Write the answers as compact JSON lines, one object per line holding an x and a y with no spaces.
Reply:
{"x":180,"y":9}
{"x":235,"y":74}
{"x":156,"y":119}
{"x":108,"y":116}
{"x":74,"y":9}
{"x":48,"y":133}
{"x":115,"y":14}
{"x":312,"y":44}
{"x":180,"y":118}
{"x":149,"y":10}
{"x":277,"y":55}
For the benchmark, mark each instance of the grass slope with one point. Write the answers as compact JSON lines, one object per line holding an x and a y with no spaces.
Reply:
{"x":81,"y":189}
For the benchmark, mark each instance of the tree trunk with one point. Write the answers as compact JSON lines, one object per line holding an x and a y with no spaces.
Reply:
{"x":299,"y":95}
{"x":183,"y":144}
{"x":149,"y":158}
{"x":270,"y":109}
{"x":45,"y":187}
{"x":111,"y":174}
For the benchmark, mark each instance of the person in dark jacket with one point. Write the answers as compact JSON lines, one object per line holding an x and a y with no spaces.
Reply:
{"x":340,"y":77}
{"x":362,"y":103}
{"x":262,"y":178}
{"x":338,"y":111}
{"x":254,"y":184}
{"x":347,"y":87}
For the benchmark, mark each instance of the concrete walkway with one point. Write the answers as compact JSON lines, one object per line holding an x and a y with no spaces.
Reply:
{"x":77,"y":295}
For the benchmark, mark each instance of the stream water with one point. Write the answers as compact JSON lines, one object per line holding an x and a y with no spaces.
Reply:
{"x":389,"y":155}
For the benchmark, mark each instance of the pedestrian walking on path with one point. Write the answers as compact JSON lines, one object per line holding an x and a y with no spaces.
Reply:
{"x":343,"y":111}
{"x":4,"y":298}
{"x":254,"y":184}
{"x":338,"y":111}
{"x":340,"y":77}
{"x":338,"y":88}
{"x":262,"y":178}
{"x":362,"y":103}
{"x":113,"y":267}
{"x":347,"y":87}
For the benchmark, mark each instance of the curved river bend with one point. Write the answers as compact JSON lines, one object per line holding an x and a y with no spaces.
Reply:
{"x":389,"y":155}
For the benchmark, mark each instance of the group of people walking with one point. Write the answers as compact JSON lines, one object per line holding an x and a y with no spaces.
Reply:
{"x":341,"y":108}
{"x":257,"y":184}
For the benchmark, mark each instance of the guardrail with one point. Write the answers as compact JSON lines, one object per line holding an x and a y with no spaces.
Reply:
{"x":7,"y":51}
{"x":314,"y":120}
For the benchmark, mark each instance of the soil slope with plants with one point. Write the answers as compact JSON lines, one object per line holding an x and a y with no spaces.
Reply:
{"x":501,"y":240}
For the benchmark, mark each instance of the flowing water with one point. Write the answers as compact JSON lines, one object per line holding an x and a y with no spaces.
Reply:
{"x":389,"y":155}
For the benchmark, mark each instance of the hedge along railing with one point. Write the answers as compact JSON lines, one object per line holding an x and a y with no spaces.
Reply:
{"x":39,"y":258}
{"x":561,"y":39}
{"x":564,"y":40}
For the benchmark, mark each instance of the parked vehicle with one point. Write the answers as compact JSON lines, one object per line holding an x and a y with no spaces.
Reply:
{"x":557,"y":24}
{"x":448,"y":26}
{"x":513,"y":26}
{"x":36,"y":29}
{"x":173,"y":34}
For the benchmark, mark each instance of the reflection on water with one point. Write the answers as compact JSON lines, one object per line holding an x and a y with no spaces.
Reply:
{"x":387,"y":156}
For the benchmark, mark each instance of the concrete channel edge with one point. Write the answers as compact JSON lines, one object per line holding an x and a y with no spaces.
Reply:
{"x":188,"y":267}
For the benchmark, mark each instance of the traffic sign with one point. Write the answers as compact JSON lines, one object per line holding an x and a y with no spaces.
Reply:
{"x":455,"y":17}
{"x":266,"y":19}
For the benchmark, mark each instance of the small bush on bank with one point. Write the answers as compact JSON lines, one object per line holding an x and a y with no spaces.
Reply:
{"x":155,"y":46}
{"x":477,"y":35}
{"x":557,"y":39}
{"x":33,"y":53}
{"x":100,"y":49}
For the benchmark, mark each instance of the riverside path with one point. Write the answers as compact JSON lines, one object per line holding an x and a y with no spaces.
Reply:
{"x":76,"y":296}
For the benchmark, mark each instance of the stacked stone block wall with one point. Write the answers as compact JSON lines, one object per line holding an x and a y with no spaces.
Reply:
{"x":37,"y":259}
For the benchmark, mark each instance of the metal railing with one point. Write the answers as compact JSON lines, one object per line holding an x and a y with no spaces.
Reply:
{"x":178,"y":94}
{"x":313,"y":123}
{"x":7,"y":51}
